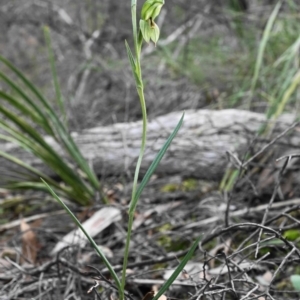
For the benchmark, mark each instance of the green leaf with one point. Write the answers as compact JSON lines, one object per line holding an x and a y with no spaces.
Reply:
{"x":133,"y":64}
{"x":295,"y":279}
{"x":178,"y":270}
{"x":292,"y":234}
{"x":130,"y":57}
{"x":272,"y":243}
{"x":91,"y":240}
{"x":154,"y":165}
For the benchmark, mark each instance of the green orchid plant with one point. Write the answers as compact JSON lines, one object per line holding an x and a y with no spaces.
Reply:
{"x":148,"y":31}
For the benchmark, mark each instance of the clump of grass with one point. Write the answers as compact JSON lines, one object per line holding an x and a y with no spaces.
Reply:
{"x":26,"y":117}
{"x":243,"y":59}
{"x":274,"y":79}
{"x":276,"y":75}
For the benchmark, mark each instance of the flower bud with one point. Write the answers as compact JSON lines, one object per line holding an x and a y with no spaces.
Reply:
{"x":154,"y":36}
{"x":150,"y":31}
{"x":151,"y":9}
{"x":148,"y":27}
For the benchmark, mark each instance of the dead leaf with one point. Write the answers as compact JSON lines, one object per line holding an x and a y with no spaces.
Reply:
{"x":149,"y":296}
{"x":9,"y":252}
{"x":94,"y":225}
{"x":129,"y":271}
{"x":111,"y":196}
{"x":264,"y":280}
{"x":225,"y":247}
{"x":5,"y":265}
{"x":30,"y":244}
{"x":155,"y":291}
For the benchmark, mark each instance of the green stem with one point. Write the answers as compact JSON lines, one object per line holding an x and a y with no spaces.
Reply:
{"x":142,"y":150}
{"x":140,"y":90}
{"x":126,"y":252}
{"x":134,"y":28}
{"x":134,"y":188}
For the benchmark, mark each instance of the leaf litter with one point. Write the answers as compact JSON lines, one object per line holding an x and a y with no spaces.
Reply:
{"x":167,"y":223}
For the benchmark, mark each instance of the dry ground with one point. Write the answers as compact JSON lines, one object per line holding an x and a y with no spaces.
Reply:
{"x":250,"y":236}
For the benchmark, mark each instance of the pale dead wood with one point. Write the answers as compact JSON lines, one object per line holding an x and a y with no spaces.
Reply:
{"x":199,"y":150}
{"x":16,"y":223}
{"x":94,"y":225}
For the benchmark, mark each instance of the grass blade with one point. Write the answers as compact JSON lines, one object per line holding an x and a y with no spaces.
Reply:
{"x":154,"y":165}
{"x":33,"y":142}
{"x":262,"y":45}
{"x":91,"y":240}
{"x":60,"y":129}
{"x":289,"y":54}
{"x":59,"y":97}
{"x":36,"y":118}
{"x":36,"y":172}
{"x":287,"y":95}
{"x":37,"y":138}
{"x":181,"y":266}
{"x":29,"y":168}
{"x":45,"y":124}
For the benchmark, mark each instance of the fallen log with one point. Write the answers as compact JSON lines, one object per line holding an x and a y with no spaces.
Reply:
{"x":199,"y":149}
